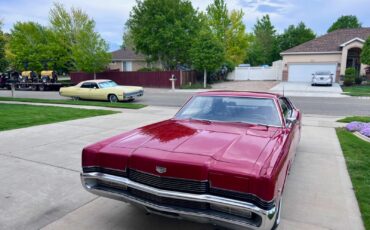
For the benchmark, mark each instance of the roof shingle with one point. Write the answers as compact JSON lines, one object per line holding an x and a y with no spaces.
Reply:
{"x":331,"y":42}
{"x":127,"y":54}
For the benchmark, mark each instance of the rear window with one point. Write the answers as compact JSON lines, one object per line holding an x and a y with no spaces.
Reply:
{"x":231,"y":109}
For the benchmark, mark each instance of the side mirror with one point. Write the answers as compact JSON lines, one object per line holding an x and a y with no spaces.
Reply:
{"x":291,"y":120}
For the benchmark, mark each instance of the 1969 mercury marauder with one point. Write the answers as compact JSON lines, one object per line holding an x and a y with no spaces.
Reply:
{"x":222,"y":159}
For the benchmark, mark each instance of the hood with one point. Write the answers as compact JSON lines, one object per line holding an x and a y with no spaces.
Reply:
{"x":189,"y":149}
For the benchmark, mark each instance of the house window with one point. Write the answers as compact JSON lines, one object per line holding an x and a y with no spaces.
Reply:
{"x":128,"y":66}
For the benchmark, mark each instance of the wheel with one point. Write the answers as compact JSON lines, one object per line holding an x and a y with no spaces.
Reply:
{"x":75,"y":98}
{"x":34,"y":87}
{"x":42,"y":87}
{"x":112,"y":98}
{"x":312,"y":84}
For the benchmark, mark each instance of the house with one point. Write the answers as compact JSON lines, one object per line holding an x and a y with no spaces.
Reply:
{"x":126,"y":59}
{"x":332,"y":52}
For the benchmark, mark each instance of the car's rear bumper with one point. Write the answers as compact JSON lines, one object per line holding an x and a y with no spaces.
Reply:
{"x":120,"y":188}
{"x":133,"y":95}
{"x":322,"y":81}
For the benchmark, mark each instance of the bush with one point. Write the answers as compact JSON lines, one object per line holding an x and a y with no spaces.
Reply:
{"x":348,"y":80}
{"x":149,"y":69}
{"x":350,"y":71}
{"x":358,"y":80}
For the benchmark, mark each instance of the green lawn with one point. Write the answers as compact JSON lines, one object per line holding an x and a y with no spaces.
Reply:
{"x":355,"y":118}
{"x":13,"y":116}
{"x":124,"y":105}
{"x":357,"y":90}
{"x":357,"y":155}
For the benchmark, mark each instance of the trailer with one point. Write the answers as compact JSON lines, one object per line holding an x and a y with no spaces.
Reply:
{"x":40,"y":86}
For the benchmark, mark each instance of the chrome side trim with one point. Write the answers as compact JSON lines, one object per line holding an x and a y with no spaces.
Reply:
{"x":89,"y":182}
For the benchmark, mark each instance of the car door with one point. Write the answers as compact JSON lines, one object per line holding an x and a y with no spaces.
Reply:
{"x":293,"y":128}
{"x":95,"y":91}
{"x":84,"y":91}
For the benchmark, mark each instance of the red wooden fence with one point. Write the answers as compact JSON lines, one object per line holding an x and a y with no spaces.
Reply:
{"x":158,"y":79}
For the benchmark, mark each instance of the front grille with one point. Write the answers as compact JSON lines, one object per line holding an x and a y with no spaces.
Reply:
{"x":243,"y":196}
{"x":182,"y":185}
{"x":167,"y":201}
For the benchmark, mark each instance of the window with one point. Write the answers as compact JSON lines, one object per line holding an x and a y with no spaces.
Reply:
{"x":86,"y":85}
{"x":232,"y":109}
{"x":94,"y":85}
{"x":285,"y":107}
{"x":107,"y":84}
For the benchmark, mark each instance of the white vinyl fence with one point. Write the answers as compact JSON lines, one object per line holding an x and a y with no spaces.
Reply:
{"x":274,"y":72}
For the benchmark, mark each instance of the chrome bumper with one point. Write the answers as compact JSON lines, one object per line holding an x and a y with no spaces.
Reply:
{"x":133,"y":95}
{"x":90,"y":182}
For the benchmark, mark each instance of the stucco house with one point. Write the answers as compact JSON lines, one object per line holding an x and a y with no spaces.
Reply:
{"x":126,"y":59}
{"x":332,"y":52}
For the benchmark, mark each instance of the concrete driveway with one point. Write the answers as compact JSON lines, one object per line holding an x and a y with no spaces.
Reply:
{"x":302,"y":89}
{"x":39,"y":171}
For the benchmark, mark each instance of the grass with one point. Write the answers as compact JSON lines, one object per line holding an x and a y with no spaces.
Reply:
{"x":355,"y":118}
{"x":357,"y":155}
{"x":195,"y":86}
{"x":357,"y":90}
{"x":71,"y":102}
{"x":14,"y":116}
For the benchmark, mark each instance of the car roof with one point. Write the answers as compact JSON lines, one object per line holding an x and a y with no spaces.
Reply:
{"x":239,"y":94}
{"x":96,"y":81}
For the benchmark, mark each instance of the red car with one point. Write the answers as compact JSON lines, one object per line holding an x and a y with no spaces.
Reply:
{"x":222,"y":159}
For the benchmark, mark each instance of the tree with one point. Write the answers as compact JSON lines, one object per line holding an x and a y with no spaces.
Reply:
{"x":128,"y":41}
{"x":345,"y":22}
{"x":207,"y":52}
{"x":164,"y":30}
{"x":229,"y":28}
{"x":236,"y":39}
{"x":3,"y":61}
{"x":84,"y":49}
{"x":31,"y":46}
{"x":263,"y":48}
{"x":295,"y":35}
{"x":365,"y":53}
{"x":218,"y":19}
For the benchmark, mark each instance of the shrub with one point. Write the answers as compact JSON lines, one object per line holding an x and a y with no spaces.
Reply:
{"x":365,"y":131}
{"x":348,"y":81}
{"x":354,"y":126}
{"x":149,"y":69}
{"x":358,"y":80}
{"x":350,"y":71}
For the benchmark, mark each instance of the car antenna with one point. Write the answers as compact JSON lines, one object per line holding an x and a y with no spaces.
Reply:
{"x":283,"y":90}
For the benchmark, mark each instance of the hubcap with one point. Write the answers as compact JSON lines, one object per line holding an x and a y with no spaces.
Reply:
{"x":112,"y":98}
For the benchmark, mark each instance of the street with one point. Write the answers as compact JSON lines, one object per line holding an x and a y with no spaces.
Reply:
{"x":164,"y":97}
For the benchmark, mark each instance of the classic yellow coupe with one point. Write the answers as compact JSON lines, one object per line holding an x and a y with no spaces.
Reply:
{"x":104,"y":90}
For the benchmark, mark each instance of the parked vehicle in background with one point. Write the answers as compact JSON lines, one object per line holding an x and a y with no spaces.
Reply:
{"x":322,"y":78}
{"x":223,"y":159}
{"x":49,"y":76}
{"x":104,"y":90}
{"x":29,"y":76}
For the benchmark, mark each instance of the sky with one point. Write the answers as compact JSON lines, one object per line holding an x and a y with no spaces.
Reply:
{"x":111,"y":15}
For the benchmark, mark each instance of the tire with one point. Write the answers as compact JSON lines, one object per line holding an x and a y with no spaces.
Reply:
{"x":34,"y":87}
{"x":75,"y":98}
{"x":112,"y":98}
{"x":42,"y":87}
{"x":312,"y":84}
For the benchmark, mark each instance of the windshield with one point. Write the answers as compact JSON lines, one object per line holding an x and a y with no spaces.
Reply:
{"x":107,"y":84}
{"x":231,"y":109}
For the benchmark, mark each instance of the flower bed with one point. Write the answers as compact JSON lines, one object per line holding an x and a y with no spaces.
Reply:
{"x":360,"y":128}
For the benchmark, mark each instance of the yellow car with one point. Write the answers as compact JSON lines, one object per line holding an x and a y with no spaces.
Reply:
{"x":104,"y":90}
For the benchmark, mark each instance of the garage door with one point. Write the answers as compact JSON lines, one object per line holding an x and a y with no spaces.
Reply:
{"x":303,"y":72}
